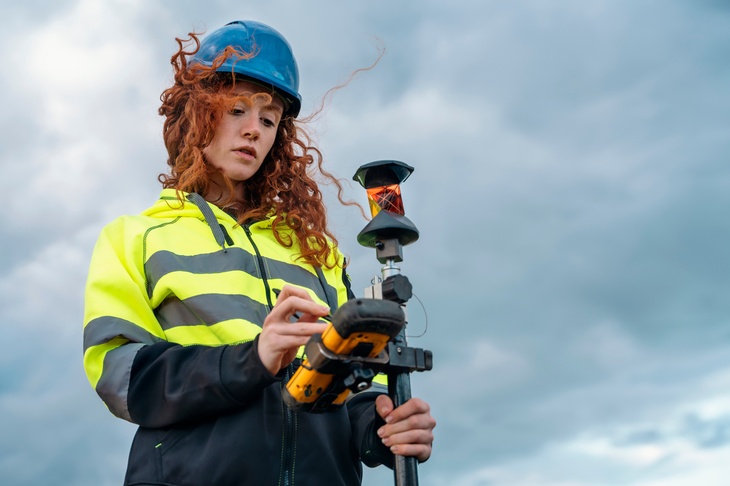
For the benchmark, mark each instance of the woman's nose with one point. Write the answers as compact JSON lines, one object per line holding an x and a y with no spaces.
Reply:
{"x":250,"y":126}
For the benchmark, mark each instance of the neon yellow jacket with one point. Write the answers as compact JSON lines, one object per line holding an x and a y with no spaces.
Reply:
{"x":175,"y":300}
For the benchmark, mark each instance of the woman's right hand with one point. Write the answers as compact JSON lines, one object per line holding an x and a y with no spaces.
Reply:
{"x":280,"y":338}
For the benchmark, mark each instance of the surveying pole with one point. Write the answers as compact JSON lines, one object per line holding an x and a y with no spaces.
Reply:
{"x":388,"y":232}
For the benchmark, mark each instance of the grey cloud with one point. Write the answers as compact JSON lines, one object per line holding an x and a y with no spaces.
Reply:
{"x":570,"y":188}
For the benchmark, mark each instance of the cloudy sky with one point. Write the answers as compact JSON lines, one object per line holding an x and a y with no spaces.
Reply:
{"x":572,"y":189}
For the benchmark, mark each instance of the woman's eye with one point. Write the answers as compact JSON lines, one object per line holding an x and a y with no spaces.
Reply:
{"x":236,"y":111}
{"x":268,"y":122}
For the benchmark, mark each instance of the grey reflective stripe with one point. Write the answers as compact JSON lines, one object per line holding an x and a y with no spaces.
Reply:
{"x":210,"y":218}
{"x":330,"y":292}
{"x":209,"y":309}
{"x":164,"y":262}
{"x":297,"y":275}
{"x":103,"y":329}
{"x":113,"y":386}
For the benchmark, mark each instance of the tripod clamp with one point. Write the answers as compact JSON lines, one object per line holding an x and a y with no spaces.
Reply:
{"x":402,"y":358}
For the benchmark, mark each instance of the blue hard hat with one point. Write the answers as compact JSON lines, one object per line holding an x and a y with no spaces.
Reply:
{"x":273,"y":62}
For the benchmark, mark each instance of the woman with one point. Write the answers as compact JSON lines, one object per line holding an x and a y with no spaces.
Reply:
{"x":188,"y":328}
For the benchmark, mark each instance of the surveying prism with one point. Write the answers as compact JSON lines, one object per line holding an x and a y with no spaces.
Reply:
{"x":367,"y":335}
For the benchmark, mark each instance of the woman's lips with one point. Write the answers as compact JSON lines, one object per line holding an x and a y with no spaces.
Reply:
{"x":246,"y":151}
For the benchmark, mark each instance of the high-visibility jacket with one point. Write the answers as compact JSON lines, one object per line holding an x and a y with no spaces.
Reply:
{"x":175,"y":301}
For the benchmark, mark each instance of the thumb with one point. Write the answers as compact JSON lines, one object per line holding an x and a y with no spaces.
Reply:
{"x":384,"y":405}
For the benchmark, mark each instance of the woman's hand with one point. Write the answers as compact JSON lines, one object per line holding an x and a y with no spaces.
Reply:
{"x":408,"y":430}
{"x":280,"y":338}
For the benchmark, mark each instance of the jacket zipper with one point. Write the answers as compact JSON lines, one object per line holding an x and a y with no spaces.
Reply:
{"x":286,"y":476}
{"x":288,"y":439}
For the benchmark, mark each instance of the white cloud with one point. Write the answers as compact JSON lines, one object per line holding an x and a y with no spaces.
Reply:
{"x":604,"y":458}
{"x":635,"y":456}
{"x":78,"y":52}
{"x":91,"y":84}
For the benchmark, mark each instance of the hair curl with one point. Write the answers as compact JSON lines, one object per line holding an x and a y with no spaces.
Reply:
{"x":284,"y":184}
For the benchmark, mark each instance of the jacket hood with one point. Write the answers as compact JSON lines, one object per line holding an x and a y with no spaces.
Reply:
{"x":170,"y":206}
{"x":193,"y":205}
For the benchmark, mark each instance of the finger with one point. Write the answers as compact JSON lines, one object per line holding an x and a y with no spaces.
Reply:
{"x":306,"y":317}
{"x":410,"y":436}
{"x":291,"y":291}
{"x":279,"y":342}
{"x":285,"y":336}
{"x":297,"y":307}
{"x":307,"y":329}
{"x":293,"y":334}
{"x":414,"y":406}
{"x":414,"y":422}
{"x":413,"y":443}
{"x":420,"y":451}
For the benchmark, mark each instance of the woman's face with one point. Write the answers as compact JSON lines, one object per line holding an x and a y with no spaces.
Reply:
{"x":245,"y":134}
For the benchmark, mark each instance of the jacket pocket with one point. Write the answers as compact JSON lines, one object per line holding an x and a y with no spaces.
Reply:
{"x":145,"y":464}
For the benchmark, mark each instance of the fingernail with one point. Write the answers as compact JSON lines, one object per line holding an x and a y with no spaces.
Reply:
{"x":388,"y":419}
{"x":381,"y":432}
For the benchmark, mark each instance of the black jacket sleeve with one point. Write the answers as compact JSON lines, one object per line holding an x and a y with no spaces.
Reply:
{"x":170,"y":383}
{"x":365,"y":424}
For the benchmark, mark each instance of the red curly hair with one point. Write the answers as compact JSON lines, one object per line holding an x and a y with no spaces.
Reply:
{"x":283,"y":186}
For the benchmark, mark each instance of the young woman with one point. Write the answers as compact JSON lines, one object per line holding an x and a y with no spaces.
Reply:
{"x":190,"y":326}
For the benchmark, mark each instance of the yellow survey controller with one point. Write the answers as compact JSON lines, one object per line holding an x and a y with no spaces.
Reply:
{"x":346,"y":356}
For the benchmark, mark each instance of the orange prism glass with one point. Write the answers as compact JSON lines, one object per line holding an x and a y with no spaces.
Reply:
{"x":386,"y":198}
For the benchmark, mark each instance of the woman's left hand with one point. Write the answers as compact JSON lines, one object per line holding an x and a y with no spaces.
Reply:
{"x":408,"y":430}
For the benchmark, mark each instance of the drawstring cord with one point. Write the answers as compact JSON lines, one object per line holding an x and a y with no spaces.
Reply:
{"x":215,"y":227}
